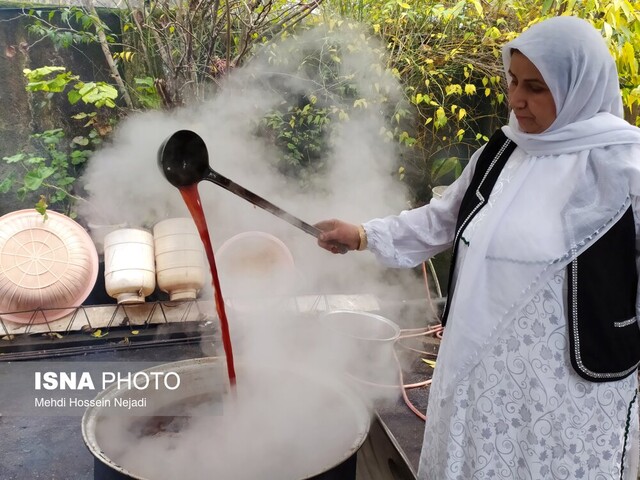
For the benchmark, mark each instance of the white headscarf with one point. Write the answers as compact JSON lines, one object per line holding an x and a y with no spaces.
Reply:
{"x":574,"y":181}
{"x":580,"y":72}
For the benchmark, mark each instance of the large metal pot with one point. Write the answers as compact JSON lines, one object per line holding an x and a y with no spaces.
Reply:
{"x":330,"y":457}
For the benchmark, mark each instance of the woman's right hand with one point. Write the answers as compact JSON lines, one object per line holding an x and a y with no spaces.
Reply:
{"x":338,"y":236}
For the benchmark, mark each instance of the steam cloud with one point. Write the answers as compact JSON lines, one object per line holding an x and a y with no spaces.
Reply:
{"x":126,"y":187}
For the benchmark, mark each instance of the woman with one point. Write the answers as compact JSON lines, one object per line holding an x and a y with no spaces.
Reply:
{"x":537,"y":372}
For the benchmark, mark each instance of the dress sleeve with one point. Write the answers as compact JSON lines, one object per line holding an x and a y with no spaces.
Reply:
{"x":413,"y":236}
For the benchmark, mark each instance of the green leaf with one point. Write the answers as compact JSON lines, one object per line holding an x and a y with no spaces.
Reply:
{"x":443,"y":166}
{"x":80,"y":116}
{"x":35,"y":160}
{"x":146,"y":81}
{"x":73,"y":96}
{"x":33,"y":179}
{"x":79,"y":156}
{"x":18,"y":157}
{"x":85,"y":88}
{"x":66,"y":181}
{"x":6,"y":184}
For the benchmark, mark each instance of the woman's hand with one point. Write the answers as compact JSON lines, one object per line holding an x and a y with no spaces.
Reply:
{"x":338,"y":236}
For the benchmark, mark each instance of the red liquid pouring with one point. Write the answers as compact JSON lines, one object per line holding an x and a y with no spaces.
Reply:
{"x":192,"y":199}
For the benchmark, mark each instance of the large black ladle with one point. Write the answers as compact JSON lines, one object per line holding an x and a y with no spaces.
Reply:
{"x":184,"y":161}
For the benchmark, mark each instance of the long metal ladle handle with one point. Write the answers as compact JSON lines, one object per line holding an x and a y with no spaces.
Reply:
{"x":258,"y":201}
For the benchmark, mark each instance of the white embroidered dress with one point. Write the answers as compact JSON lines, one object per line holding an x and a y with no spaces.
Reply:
{"x":522,"y":412}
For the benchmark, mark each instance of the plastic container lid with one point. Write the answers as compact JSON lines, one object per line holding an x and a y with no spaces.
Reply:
{"x":256,"y":269}
{"x":50,"y":264}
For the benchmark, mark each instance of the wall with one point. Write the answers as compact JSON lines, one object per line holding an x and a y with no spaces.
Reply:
{"x":23,"y":113}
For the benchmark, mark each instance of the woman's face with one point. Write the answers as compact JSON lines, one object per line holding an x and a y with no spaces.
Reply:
{"x":529,"y":97}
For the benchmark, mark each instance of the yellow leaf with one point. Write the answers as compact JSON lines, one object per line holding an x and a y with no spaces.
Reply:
{"x":98,"y":333}
{"x":453,"y":89}
{"x":403,"y":5}
{"x":628,"y":55}
{"x":376,"y":28}
{"x":461,"y":113}
{"x":431,"y":363}
{"x":469,"y":89}
{"x":478,"y":6}
{"x":360,"y":103}
{"x":492,"y":33}
{"x":135,"y":332}
{"x":401,"y":170}
{"x":487,"y":92}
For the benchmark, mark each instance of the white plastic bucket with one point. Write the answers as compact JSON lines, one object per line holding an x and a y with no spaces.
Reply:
{"x":99,"y":231}
{"x":256,"y":271}
{"x":129,"y":269}
{"x":180,"y":259}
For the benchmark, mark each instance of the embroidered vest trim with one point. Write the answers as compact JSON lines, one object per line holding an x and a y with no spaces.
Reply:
{"x":602,"y":281}
{"x":488,"y":168}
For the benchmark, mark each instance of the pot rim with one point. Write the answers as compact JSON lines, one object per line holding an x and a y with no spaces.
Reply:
{"x":92,"y":413}
{"x":393,"y":326}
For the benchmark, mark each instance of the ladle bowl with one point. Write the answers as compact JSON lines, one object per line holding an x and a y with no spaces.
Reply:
{"x":184,"y":161}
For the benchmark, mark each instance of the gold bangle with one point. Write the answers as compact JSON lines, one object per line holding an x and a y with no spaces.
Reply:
{"x":362,"y":244}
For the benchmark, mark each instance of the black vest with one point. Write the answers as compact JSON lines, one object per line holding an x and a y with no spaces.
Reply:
{"x":602,"y":281}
